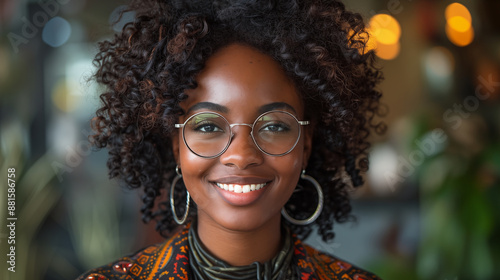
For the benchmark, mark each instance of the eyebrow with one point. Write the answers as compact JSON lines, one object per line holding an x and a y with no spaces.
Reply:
{"x":276,"y":106}
{"x":208,"y":106}
{"x":223,"y":109}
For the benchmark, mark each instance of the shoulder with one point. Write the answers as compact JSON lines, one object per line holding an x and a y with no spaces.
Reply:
{"x":327,"y":266}
{"x":123,"y":267}
{"x":144,"y":263}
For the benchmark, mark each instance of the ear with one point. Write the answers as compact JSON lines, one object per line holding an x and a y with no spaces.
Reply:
{"x":174,"y":139}
{"x":308,"y":137}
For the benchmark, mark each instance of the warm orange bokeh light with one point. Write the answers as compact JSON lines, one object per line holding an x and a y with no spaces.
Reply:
{"x":388,"y":52}
{"x":459,"y":23}
{"x":458,"y":38}
{"x":457,"y":10}
{"x":385,"y":28}
{"x":385,"y":32}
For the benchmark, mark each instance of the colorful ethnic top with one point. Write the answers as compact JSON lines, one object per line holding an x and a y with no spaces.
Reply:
{"x":170,"y":261}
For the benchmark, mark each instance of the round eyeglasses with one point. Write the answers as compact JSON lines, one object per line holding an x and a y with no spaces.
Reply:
{"x":209,"y":134}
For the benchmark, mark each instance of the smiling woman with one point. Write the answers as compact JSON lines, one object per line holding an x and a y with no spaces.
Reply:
{"x":243,"y":83}
{"x":249,"y":114}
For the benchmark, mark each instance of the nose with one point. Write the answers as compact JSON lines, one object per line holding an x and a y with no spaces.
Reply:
{"x":242,"y":151}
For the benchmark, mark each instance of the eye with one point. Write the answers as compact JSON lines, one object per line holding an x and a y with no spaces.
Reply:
{"x":275,"y":127}
{"x":207,"y":127}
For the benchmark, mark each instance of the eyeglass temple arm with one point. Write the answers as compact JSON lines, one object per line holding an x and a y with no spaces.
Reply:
{"x":179,"y":125}
{"x":303,"y":122}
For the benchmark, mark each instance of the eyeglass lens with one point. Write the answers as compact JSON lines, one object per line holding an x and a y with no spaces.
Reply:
{"x":208,"y":134}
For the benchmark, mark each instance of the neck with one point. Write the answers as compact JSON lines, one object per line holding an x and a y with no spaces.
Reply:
{"x":239,"y":248}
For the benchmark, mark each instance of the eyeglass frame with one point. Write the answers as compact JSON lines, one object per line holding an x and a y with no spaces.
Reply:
{"x":183,"y":125}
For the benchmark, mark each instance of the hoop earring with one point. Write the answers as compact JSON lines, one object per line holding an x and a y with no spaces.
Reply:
{"x":172,"y":205}
{"x":318,"y":210}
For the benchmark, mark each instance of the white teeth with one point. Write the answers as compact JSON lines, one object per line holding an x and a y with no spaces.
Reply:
{"x":246,"y":188}
{"x":237,"y":189}
{"x":240,"y":188}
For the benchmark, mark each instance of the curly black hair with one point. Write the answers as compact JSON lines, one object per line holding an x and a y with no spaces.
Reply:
{"x":149,"y":65}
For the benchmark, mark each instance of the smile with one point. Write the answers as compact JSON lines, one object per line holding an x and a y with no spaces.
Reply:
{"x":236,"y":188}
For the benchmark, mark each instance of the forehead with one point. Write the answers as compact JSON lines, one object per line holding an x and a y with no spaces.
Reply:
{"x":243,"y":79}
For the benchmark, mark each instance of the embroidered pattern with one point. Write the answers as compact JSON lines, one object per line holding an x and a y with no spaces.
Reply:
{"x":169,"y":261}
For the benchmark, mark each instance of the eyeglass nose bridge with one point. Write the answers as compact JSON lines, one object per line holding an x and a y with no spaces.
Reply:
{"x":244,"y":124}
{"x":235,"y":124}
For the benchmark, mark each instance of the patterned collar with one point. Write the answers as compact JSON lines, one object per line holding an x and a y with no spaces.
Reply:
{"x":169,"y":261}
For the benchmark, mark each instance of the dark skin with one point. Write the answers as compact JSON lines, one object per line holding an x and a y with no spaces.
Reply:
{"x":242,"y":83}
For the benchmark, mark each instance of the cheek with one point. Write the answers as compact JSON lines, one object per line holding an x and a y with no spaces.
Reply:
{"x":291,"y":165}
{"x":194,"y":170}
{"x":296,"y":159}
{"x":292,"y":168}
{"x":289,"y":168}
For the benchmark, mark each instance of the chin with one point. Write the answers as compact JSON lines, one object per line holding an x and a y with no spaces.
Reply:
{"x":243,"y":220}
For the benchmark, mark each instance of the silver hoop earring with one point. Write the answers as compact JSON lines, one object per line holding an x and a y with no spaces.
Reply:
{"x":318,"y":210}
{"x":172,"y":205}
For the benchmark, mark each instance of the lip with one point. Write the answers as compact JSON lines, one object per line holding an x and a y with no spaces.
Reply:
{"x":241,"y":199}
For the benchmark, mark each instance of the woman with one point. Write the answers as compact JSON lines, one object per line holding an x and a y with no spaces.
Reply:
{"x":253,"y":116}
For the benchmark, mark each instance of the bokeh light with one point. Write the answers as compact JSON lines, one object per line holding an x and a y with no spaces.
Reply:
{"x":383,"y":165}
{"x":62,"y":97}
{"x":458,"y":38}
{"x":385,"y":28}
{"x":56,"y":32}
{"x":388,"y":52}
{"x":385,"y":32}
{"x":439,"y":65}
{"x":459,"y":25}
{"x":489,"y":74}
{"x":440,"y":61}
{"x":457,"y":10}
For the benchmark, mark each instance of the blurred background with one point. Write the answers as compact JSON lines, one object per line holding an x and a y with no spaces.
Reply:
{"x":430,"y":208}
